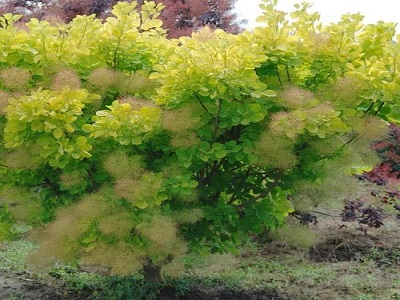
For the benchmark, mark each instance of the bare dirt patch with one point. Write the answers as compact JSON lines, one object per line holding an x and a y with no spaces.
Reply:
{"x":341,"y":248}
{"x":340,"y":242}
{"x":22,"y":286}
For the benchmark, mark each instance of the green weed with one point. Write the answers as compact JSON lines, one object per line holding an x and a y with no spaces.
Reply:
{"x":13,"y":255}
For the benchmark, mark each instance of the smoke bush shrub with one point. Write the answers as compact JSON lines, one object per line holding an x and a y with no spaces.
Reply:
{"x":140,"y":148}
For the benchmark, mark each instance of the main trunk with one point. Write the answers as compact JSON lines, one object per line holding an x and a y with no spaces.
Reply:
{"x":152,"y":272}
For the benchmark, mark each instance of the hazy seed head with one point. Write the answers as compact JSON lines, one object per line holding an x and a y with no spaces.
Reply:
{"x":327,"y":146}
{"x":52,"y":251}
{"x":175,"y":268}
{"x":101,"y":79}
{"x":296,"y":235}
{"x":141,"y":192}
{"x":189,"y":215}
{"x":122,"y":258}
{"x":90,"y":206}
{"x":120,"y":165}
{"x":160,"y":231}
{"x":180,"y":120}
{"x":370,"y":128}
{"x":23,"y":203}
{"x":71,"y":178}
{"x":361,"y":152}
{"x":294,"y":97}
{"x":190,"y":197}
{"x":335,"y":182}
{"x":321,"y":111}
{"x":122,"y":82}
{"x":344,"y":92}
{"x":3,"y":101}
{"x":287,"y":124}
{"x":320,"y":42}
{"x":15,"y":78}
{"x":135,"y":103}
{"x":275,"y":151}
{"x":141,"y":84}
{"x":172,"y":170}
{"x":21,"y":159}
{"x":59,"y":240}
{"x":119,"y":224}
{"x":126,"y":188}
{"x":65,"y":79}
{"x":184,"y":139}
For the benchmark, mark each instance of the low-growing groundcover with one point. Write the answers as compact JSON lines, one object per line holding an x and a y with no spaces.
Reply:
{"x":125,"y":151}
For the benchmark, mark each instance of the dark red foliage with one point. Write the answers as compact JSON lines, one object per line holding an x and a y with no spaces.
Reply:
{"x":305,"y":218}
{"x":180,"y":17}
{"x":389,"y":152}
{"x":387,"y":176}
{"x":367,"y":217}
{"x":351,"y":210}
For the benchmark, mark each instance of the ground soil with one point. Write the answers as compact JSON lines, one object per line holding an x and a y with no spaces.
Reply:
{"x":23,"y":286}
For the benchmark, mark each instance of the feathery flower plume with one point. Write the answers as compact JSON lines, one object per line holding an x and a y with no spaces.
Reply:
{"x":329,"y":192}
{"x":327,"y":146}
{"x":182,"y":119}
{"x":126,"y":188}
{"x":275,"y":151}
{"x":101,"y":79}
{"x":296,"y":98}
{"x":161,"y":230}
{"x":72,"y":178}
{"x":141,"y":83}
{"x":15,"y":78}
{"x":296,"y":235}
{"x":122,"y":82}
{"x":120,"y":165}
{"x":370,"y":128}
{"x":122,"y":258}
{"x":65,"y":79}
{"x":188,"y":215}
{"x":20,"y":159}
{"x":24,"y":204}
{"x":320,"y":42}
{"x":185,"y":139}
{"x":3,"y":101}
{"x":162,"y":233}
{"x":344,"y":93}
{"x":119,"y":224}
{"x":59,"y":240}
{"x":175,"y":268}
{"x":288,"y":124}
{"x":141,"y":192}
{"x":136,"y":103}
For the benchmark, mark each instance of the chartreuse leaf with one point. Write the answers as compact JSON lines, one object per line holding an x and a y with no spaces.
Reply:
{"x":123,"y":124}
{"x":53,"y":116}
{"x":220,"y":66}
